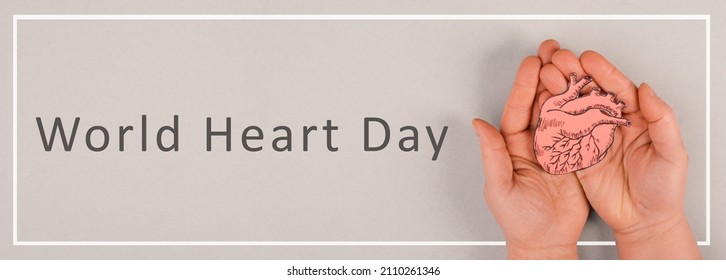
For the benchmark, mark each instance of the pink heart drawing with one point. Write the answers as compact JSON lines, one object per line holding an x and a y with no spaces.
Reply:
{"x":575,"y":131}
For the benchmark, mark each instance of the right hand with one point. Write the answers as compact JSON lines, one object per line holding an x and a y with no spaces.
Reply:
{"x":639,"y":187}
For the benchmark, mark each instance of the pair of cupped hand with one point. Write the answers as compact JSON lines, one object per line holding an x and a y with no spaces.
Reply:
{"x":637,"y":186}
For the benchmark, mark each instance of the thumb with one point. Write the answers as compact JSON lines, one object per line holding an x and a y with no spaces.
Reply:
{"x":495,"y":157}
{"x":663,"y":128}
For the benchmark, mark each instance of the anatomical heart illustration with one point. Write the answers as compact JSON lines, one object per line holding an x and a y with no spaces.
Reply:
{"x":575,"y":131}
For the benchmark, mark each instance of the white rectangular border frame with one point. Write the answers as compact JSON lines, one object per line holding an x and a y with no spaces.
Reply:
{"x":17,"y":18}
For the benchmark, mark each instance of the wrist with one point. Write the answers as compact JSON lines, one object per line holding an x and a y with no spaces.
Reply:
{"x":670,"y":238}
{"x":545,"y":252}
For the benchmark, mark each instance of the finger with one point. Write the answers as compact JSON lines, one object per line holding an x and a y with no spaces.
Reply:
{"x":547,"y":49}
{"x":495,"y":157}
{"x":663,"y":128}
{"x":553,"y":79}
{"x":543,"y":97}
{"x":567,"y":62}
{"x":537,"y":108}
{"x":518,"y":108}
{"x":611,"y":79}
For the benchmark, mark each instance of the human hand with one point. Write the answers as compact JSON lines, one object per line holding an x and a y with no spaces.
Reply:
{"x":638,"y":188}
{"x":542,"y":215}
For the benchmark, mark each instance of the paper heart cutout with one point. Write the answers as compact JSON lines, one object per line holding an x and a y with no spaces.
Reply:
{"x":575,"y":132}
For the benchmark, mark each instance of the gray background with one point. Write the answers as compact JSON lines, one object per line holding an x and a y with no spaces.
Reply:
{"x":299,"y":73}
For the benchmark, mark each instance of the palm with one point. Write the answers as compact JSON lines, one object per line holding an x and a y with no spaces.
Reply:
{"x":553,"y":206}
{"x":622,"y":198}
{"x":534,"y":208}
{"x":643,"y":174}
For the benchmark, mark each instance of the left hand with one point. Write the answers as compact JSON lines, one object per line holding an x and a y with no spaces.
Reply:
{"x":542,"y":215}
